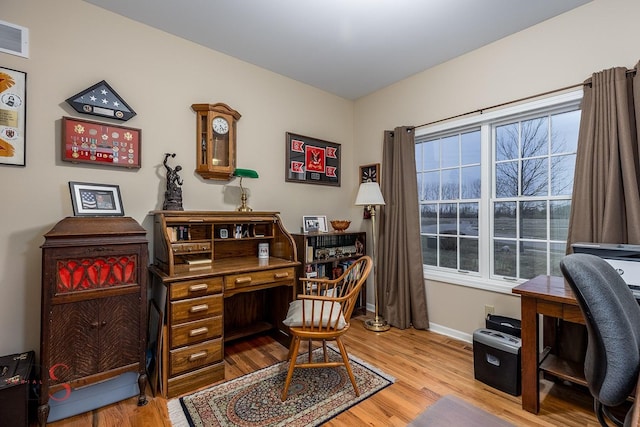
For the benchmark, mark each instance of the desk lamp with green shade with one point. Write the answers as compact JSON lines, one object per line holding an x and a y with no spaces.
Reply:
{"x":244,"y":173}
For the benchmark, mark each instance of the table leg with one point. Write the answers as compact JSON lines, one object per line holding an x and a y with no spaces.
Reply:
{"x":529,"y":354}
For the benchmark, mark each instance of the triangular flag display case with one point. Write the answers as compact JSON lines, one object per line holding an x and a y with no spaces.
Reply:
{"x":101,"y":100}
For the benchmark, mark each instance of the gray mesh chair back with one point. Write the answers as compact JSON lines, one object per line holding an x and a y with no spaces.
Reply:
{"x":612,"y":318}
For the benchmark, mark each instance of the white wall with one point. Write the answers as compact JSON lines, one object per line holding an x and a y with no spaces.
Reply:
{"x":74,"y":45}
{"x":557,"y":53}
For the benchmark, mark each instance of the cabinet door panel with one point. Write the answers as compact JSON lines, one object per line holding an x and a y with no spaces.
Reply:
{"x":119,"y":326}
{"x":73,"y":340}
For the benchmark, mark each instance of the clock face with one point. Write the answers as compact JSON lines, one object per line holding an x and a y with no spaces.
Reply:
{"x":220,"y":125}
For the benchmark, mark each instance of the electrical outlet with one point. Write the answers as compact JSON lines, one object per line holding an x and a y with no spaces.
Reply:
{"x":489,"y":309}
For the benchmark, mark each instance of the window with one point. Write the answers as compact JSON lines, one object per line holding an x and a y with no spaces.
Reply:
{"x":495,"y":191}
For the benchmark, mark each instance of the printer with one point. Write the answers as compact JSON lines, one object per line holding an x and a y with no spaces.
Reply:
{"x":624,"y":258}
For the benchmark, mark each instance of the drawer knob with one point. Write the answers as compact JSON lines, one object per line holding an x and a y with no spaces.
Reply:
{"x":241,"y":280}
{"x":199,"y":308}
{"x":281,"y":275}
{"x":198,"y":331}
{"x":198,"y":355}
{"x":198,"y":287}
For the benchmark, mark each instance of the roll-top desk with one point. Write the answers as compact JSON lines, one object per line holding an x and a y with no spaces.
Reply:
{"x":212,"y":287}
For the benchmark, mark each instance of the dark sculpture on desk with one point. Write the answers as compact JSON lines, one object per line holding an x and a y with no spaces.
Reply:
{"x":173,"y":193}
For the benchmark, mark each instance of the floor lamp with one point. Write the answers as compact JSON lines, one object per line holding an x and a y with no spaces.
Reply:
{"x":370,"y":196}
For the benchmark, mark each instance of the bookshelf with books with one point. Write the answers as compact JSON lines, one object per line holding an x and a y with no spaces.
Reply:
{"x":328,"y":255}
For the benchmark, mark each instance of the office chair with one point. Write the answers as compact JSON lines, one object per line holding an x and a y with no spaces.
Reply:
{"x":612,"y":317}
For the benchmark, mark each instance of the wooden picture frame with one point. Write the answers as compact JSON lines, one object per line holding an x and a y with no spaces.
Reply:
{"x":106,"y":144}
{"x":369,"y":173}
{"x":314,"y":224}
{"x":312,"y":161}
{"x":95,"y":199}
{"x":13,"y":117}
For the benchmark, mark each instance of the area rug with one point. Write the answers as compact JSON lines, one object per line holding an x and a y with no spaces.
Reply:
{"x":451,"y":411}
{"x":315,"y":396}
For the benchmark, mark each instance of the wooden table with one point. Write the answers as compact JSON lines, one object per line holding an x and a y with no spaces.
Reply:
{"x":550,"y":296}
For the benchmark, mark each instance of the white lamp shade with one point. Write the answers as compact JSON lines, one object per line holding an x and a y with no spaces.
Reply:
{"x":369,"y":194}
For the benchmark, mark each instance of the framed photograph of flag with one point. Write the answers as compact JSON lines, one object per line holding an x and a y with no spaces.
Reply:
{"x":312,"y":161}
{"x":95,"y":199}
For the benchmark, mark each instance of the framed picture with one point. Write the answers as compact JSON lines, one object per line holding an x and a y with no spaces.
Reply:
{"x":370,"y":173}
{"x":95,"y":199}
{"x":312,"y":161}
{"x":314,"y":224}
{"x":13,"y":117}
{"x":85,"y":141}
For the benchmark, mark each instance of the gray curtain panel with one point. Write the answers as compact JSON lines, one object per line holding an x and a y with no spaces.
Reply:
{"x":400,"y":285}
{"x":605,"y":204}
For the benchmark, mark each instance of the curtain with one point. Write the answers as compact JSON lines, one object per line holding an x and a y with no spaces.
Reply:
{"x":605,"y":205}
{"x":401,"y":292}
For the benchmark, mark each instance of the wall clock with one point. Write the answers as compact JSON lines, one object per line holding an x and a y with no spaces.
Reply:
{"x":215,"y":140}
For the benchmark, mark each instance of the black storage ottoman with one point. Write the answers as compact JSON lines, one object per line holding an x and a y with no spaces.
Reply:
{"x":496,"y":360}
{"x":15,"y":383}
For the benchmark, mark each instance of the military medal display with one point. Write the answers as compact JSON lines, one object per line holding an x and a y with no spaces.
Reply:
{"x":86,"y":141}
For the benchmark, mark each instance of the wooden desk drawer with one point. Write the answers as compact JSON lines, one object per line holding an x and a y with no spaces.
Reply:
{"x":185,"y":248}
{"x":259,"y":277}
{"x":195,"y":356}
{"x":195,"y":288}
{"x":196,"y":331}
{"x":190,"y":381}
{"x":196,"y":308}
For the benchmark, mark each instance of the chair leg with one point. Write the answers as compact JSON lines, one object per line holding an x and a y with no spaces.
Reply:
{"x":347,"y":365}
{"x":293,"y":353}
{"x":324,"y":349}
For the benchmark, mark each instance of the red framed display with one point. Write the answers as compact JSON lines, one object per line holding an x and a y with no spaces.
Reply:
{"x":85,"y":141}
{"x":312,"y":161}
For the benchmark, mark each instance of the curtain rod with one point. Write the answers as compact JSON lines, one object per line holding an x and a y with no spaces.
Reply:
{"x":526,"y":98}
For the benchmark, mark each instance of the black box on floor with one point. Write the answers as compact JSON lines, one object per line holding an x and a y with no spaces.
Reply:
{"x":496,"y":360}
{"x":504,"y":324}
{"x":15,"y":382}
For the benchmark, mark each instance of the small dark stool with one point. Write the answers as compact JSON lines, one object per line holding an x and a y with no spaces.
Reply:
{"x":15,"y":381}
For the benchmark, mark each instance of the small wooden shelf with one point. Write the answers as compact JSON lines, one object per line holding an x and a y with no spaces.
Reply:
{"x":564,"y":369}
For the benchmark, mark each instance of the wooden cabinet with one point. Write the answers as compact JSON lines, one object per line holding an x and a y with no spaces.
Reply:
{"x":212,"y":286}
{"x":94,"y":302}
{"x":329,"y":254}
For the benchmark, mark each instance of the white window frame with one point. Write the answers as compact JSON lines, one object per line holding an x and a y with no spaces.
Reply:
{"x":486,"y":121}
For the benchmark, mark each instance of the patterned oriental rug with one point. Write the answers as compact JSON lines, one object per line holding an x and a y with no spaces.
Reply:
{"x":315,"y":396}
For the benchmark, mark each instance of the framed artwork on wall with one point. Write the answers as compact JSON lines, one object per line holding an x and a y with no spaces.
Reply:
{"x":312,"y":161}
{"x":106,"y":144}
{"x":13,"y":99}
{"x":369,"y":173}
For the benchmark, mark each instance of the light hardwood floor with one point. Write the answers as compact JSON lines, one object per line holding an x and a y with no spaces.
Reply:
{"x":426,"y":366}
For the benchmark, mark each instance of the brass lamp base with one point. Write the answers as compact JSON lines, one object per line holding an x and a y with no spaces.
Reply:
{"x":378,"y":324}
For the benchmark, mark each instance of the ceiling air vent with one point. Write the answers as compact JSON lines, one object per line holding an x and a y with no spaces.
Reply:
{"x":14,"y":39}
